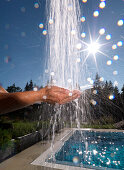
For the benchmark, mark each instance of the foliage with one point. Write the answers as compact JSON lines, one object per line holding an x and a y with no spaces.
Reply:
{"x":5,"y":138}
{"x":13,"y":88}
{"x":23,"y":128}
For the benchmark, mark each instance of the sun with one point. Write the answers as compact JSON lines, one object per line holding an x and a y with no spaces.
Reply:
{"x":93,"y":48}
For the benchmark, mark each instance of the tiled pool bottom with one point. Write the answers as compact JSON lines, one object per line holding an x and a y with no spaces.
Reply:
{"x":90,"y":149}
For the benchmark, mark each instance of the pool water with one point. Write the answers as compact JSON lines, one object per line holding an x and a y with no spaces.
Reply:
{"x":89,"y":149}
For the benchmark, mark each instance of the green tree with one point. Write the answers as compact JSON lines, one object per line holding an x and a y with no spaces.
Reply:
{"x":13,"y":88}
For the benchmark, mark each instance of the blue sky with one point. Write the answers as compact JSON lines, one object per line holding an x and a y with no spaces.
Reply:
{"x":23,"y":46}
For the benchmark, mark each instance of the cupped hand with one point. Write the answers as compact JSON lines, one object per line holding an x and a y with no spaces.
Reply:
{"x":55,"y":94}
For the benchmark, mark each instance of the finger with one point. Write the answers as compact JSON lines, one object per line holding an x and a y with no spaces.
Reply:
{"x":59,"y":89}
{"x":68,"y":99}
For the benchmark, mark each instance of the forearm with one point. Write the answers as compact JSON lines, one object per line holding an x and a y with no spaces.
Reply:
{"x":14,"y":101}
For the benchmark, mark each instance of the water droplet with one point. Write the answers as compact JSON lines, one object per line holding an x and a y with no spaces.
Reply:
{"x":91,"y":81}
{"x":23,"y":34}
{"x":70,"y":94}
{"x":69,"y":80}
{"x":52,"y":73}
{"x":44,"y":97}
{"x":70,"y":7}
{"x":120,"y":22}
{"x":35,"y":89}
{"x":46,"y":71}
{"x":88,"y":79}
{"x":101,"y":31}
{"x":96,"y":13}
{"x":78,"y":60}
{"x":73,"y":32}
{"x":78,"y":46}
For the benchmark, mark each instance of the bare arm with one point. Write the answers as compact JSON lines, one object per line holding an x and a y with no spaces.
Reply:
{"x":14,"y":101}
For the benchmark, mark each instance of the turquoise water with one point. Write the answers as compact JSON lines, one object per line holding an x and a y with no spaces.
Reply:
{"x":98,"y":150}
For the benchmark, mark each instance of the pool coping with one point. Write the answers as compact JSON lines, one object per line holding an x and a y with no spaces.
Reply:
{"x":41,"y":160}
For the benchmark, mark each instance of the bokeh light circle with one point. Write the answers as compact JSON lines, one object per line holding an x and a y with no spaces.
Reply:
{"x":109,"y":62}
{"x":120,"y":43}
{"x":102,"y":31}
{"x":36,"y":5}
{"x":44,"y":32}
{"x":102,"y":5}
{"x":41,"y":25}
{"x":96,"y":13}
{"x":108,"y":37}
{"x":114,"y":46}
{"x":111,"y":97}
{"x":83,"y":35}
{"x":120,"y":22}
{"x":84,"y":1}
{"x":83,"y":19}
{"x":116,"y":57}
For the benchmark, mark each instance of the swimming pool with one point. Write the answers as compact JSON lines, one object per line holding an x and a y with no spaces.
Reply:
{"x":90,"y":150}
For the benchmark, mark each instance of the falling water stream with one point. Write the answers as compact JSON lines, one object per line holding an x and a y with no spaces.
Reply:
{"x":62,"y":43}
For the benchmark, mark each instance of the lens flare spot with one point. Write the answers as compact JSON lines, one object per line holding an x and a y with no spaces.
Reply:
{"x":115,"y":72}
{"x":7,"y":59}
{"x":101,"y":79}
{"x":111,"y":97}
{"x":83,"y":19}
{"x":96,"y":13}
{"x":109,"y":62}
{"x":114,"y":46}
{"x":44,"y":32}
{"x":108,"y":37}
{"x":102,"y":5}
{"x":120,"y":22}
{"x":102,"y":31}
{"x":120,"y":43}
{"x":51,"y":21}
{"x":23,"y":9}
{"x":95,"y":92}
{"x":75,"y":160}
{"x":36,"y":5}
{"x":84,"y":1}
{"x":41,"y":25}
{"x":116,"y":57}
{"x":83,"y":35}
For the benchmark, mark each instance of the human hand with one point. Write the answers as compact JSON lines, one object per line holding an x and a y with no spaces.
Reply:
{"x":55,"y":94}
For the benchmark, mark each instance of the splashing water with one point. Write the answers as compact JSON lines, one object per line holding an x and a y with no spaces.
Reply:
{"x":62,"y":41}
